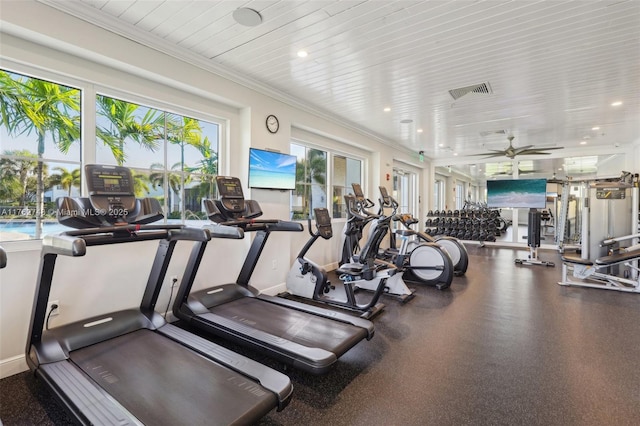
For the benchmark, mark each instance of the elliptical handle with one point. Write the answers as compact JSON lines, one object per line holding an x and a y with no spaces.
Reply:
{"x":309,"y":229}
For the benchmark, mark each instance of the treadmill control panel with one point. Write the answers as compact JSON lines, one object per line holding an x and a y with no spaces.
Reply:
{"x":110,"y":189}
{"x":231,"y":196}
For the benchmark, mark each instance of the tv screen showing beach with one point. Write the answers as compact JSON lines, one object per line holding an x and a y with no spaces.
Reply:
{"x":271,"y":170}
{"x":517,"y":193}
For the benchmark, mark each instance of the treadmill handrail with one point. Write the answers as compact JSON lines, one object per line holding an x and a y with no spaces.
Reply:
{"x":223,"y":231}
{"x":64,"y":245}
{"x":74,"y":243}
{"x":251,"y":225}
{"x":119,"y":228}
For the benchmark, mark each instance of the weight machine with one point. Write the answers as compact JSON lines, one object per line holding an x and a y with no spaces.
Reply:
{"x":616,"y":264}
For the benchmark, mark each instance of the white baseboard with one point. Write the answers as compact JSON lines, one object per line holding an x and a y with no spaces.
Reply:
{"x":275,"y":290}
{"x":11,"y":366}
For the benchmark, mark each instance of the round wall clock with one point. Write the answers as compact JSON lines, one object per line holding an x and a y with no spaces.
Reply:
{"x":272,"y":123}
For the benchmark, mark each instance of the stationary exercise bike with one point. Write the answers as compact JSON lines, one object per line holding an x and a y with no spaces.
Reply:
{"x":453,"y":247}
{"x":425,"y":263}
{"x":309,"y":280}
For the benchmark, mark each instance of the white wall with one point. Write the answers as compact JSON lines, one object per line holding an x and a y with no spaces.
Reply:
{"x":45,"y":43}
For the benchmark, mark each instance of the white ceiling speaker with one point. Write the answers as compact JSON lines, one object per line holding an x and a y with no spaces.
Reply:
{"x":247,"y":17}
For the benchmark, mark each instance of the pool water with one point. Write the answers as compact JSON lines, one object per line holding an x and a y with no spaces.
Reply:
{"x":26,"y":229}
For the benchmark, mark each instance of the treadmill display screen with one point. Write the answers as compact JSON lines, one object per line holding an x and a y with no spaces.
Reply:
{"x":110,"y":181}
{"x":230,"y":188}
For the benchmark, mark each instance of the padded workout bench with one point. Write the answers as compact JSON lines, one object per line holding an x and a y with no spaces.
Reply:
{"x":590,"y":272}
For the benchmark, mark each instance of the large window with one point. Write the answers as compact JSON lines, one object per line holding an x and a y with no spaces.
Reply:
{"x":404,"y":190}
{"x":438,"y":194}
{"x":39,"y":153}
{"x":460,"y":196}
{"x":173,"y":157}
{"x":313,"y":181}
{"x":345,"y":172}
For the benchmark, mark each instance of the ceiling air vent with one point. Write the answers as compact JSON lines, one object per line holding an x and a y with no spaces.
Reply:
{"x":481,"y":89}
{"x":486,"y":133}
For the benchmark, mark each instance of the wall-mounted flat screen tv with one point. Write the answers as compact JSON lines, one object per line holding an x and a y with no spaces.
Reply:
{"x":271,"y":170}
{"x":517,"y":193}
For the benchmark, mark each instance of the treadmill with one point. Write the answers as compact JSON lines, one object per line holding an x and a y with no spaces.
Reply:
{"x":130,"y":366}
{"x":306,"y":337}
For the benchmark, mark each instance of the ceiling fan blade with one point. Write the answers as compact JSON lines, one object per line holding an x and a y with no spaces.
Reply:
{"x":522,"y":149}
{"x":490,"y":154}
{"x":545,"y":149}
{"x":533,"y":152}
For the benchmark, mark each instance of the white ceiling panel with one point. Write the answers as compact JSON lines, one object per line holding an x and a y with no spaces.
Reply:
{"x":553,"y":67}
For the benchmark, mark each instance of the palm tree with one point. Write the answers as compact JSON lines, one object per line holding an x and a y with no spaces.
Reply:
{"x":140,"y":184}
{"x":309,"y":172}
{"x":189,"y":132}
{"x":44,"y":108}
{"x":67,"y":179}
{"x":207,"y":167}
{"x":123,"y":124}
{"x":15,"y":174}
{"x":186,"y":132}
{"x":175,"y":181}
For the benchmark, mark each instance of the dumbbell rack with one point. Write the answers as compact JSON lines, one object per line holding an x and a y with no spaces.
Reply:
{"x":470,"y":225}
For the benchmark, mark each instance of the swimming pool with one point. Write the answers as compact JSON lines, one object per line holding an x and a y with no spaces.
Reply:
{"x":26,"y":229}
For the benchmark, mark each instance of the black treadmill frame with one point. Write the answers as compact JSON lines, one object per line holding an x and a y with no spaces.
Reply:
{"x":48,"y":351}
{"x":189,"y":306}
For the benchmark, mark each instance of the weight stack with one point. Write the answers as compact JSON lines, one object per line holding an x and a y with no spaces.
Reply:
{"x":534,"y":228}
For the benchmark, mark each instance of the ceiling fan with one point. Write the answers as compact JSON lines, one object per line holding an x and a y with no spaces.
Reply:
{"x":511,"y":152}
{"x":520,"y":172}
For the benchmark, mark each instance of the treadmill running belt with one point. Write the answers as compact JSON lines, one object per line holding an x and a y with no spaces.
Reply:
{"x":163,"y":383}
{"x":296,"y":326}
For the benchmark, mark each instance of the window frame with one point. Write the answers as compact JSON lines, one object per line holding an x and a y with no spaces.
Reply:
{"x":331,"y":153}
{"x":89,"y":91}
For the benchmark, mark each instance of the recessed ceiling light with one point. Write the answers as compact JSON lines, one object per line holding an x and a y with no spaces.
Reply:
{"x":302,"y":53}
{"x":583,"y":142}
{"x":419,"y":130}
{"x":616,"y":103}
{"x":387,"y":109}
{"x":455,"y":153}
{"x":247,"y":17}
{"x":595,"y":128}
{"x":440,"y":145}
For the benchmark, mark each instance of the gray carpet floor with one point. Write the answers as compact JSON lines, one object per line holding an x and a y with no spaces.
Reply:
{"x":505,"y":345}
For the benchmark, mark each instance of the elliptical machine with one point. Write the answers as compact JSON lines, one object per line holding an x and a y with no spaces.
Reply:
{"x":358,"y":217}
{"x":309,"y":280}
{"x":453,"y":247}
{"x":422,"y":263}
